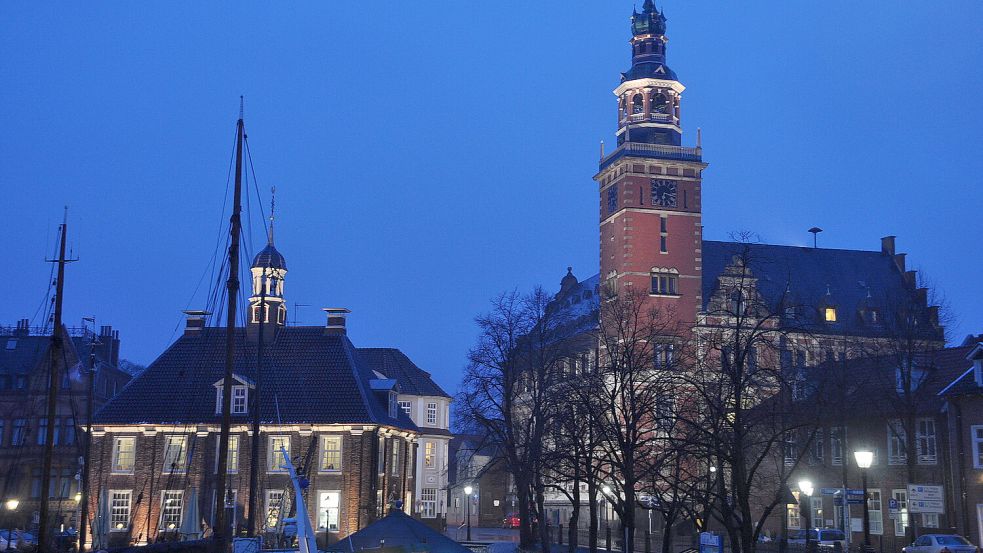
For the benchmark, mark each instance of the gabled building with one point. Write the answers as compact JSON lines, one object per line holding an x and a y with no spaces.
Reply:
{"x":428,"y":406}
{"x":25,"y":357}
{"x":333,"y":407}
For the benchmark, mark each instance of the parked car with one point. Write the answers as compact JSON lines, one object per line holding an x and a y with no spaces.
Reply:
{"x":831,"y":538}
{"x":18,"y":537}
{"x":511,"y":521}
{"x":940,"y":543}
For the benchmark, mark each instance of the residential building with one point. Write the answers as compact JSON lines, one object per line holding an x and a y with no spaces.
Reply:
{"x":428,"y":406}
{"x":320,"y":403}
{"x":963,"y":408}
{"x":25,"y":357}
{"x":492,"y":496}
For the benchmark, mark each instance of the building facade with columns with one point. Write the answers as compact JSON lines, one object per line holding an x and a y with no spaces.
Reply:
{"x":319,"y":397}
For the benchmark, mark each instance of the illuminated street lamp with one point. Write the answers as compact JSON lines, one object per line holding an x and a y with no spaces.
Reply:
{"x":806,"y":489}
{"x":864,"y":460}
{"x":467,"y":495}
{"x":11,"y":506}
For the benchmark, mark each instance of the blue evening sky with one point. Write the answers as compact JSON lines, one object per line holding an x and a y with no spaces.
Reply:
{"x":429,"y":155}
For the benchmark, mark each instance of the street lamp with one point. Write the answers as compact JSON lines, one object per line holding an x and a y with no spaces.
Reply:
{"x":806,"y":489}
{"x":467,"y":495}
{"x":864,"y":460}
{"x":11,"y":506}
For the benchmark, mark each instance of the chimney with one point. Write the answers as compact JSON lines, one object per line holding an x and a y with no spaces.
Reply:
{"x":195,"y":321}
{"x":23,"y":328}
{"x":887,"y":245}
{"x":933,"y":315}
{"x":899,"y":260}
{"x":911,"y":279}
{"x":336,"y":321}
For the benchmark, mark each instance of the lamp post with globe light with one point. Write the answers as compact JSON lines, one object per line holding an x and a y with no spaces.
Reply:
{"x":805,"y":505}
{"x":11,"y":505}
{"x":467,"y":506}
{"x":864,"y":460}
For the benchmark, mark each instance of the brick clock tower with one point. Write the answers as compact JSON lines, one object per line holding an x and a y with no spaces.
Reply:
{"x":649,"y":185}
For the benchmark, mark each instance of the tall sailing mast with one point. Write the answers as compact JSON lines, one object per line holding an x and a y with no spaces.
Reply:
{"x":56,"y":355}
{"x":221,"y":529}
{"x":252,"y":508}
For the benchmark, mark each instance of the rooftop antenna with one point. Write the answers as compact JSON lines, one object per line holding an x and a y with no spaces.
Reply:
{"x":602,"y":149}
{"x":815,"y":232}
{"x":699,"y":137}
{"x":296,"y":305}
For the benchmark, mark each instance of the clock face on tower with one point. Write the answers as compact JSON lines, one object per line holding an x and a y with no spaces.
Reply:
{"x":664,"y":193}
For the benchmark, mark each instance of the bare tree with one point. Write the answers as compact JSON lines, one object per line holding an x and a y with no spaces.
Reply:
{"x":506,"y":390}
{"x":739,"y":395}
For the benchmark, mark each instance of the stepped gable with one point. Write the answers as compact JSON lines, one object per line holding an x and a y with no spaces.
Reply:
{"x":309,"y":377}
{"x":394,"y":364}
{"x":847,"y":279}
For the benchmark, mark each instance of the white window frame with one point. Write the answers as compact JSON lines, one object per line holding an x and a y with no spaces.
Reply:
{"x":395,"y":447}
{"x":896,"y":443}
{"x":274,"y":458}
{"x":794,"y":516}
{"x":406,"y":406}
{"x":429,"y":455}
{"x":815,"y":511}
{"x":120,"y":510}
{"x":169,"y":454}
{"x":169,"y":514}
{"x":976,"y":435}
{"x":926,"y":441}
{"x":818,"y":453}
{"x":322,"y":465}
{"x":275,"y":503}
{"x":428,"y":503}
{"x":324,"y":511}
{"x":232,"y":461}
{"x":118,"y":441}
{"x":930,"y":520}
{"x":240,"y":400}
{"x":875,"y":509}
{"x":901,"y":522}
{"x":432,"y":413}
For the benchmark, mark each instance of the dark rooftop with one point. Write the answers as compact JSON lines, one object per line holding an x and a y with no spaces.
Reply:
{"x":398,"y":532}
{"x":395,"y":364}
{"x":308,"y":377}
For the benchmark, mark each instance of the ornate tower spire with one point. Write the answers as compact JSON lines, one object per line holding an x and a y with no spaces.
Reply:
{"x":268,"y":270}
{"x":649,"y":95}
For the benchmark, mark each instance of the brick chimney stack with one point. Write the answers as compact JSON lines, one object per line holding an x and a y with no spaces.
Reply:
{"x":195,"y":321}
{"x":336,"y":321}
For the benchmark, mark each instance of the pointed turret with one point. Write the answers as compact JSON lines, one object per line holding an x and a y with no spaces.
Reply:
{"x":268,"y":270}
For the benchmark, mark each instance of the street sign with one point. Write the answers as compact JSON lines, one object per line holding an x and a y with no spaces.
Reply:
{"x":838,"y":491}
{"x":925,"y":499}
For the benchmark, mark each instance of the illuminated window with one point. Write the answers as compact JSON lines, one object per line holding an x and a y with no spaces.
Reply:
{"x":328,"y":507}
{"x":124,"y":449}
{"x":330,"y":454}
{"x":428,"y":454}
{"x":277,"y":458}
{"x":119,"y":510}
{"x":232,"y":461}
{"x":274,"y":505}
{"x":175,"y":456}
{"x":829,"y":314}
{"x":171,"y":507}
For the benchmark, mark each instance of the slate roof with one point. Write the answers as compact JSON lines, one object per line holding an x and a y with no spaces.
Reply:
{"x":26,"y":354}
{"x":964,"y":382}
{"x":270,"y":257}
{"x":809,"y":273}
{"x":395,"y":364}
{"x":398,"y":532}
{"x":308,"y":377}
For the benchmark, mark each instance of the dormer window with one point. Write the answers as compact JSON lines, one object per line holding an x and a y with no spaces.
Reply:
{"x":829,"y":314}
{"x":240,"y":396}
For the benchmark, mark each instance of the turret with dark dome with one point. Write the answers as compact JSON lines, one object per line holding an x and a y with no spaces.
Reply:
{"x":268,"y":271}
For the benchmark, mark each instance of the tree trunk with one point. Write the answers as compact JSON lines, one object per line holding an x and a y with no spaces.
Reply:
{"x":592,"y":515}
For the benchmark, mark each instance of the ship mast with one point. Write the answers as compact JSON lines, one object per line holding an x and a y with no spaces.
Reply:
{"x":56,"y":355}
{"x":221,"y":529}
